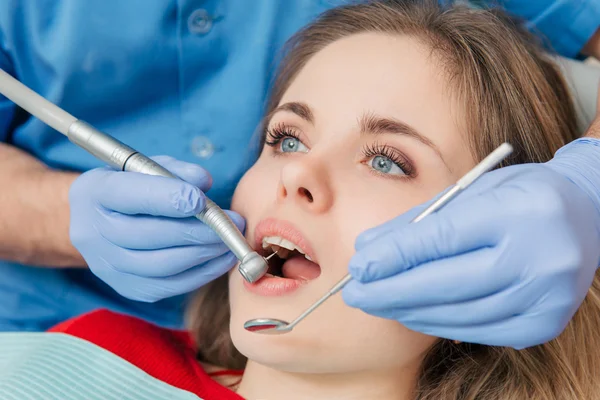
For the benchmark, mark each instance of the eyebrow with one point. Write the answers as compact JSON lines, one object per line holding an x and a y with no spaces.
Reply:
{"x":376,"y":125}
{"x":369,"y":123}
{"x":300,"y":109}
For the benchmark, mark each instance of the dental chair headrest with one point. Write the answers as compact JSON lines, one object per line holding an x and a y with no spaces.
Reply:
{"x":583,"y":79}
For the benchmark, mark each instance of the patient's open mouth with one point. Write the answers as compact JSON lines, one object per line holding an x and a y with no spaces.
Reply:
{"x":290,"y":262}
{"x":292,"y":266}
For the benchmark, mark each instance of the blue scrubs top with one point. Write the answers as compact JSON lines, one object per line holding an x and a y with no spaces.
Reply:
{"x":186,"y":78}
{"x":567,"y":24}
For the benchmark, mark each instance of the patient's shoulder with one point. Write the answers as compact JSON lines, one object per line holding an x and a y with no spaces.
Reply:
{"x":165,"y":354}
{"x":115,"y":331}
{"x":168,"y":355}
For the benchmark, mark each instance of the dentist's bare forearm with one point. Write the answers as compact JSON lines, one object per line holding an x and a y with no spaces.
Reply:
{"x":34,"y":212}
{"x":594,"y":132}
{"x":594,"y":129}
{"x":592,"y":48}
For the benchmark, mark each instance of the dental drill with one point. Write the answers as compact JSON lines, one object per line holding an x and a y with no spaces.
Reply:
{"x":122,"y":157}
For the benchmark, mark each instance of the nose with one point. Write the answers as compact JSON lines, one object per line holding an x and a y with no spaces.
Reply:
{"x":306,"y":184}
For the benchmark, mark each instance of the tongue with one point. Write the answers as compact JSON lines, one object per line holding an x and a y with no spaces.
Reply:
{"x":299,"y":268}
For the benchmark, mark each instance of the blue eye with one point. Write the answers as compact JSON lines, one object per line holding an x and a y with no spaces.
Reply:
{"x":284,"y":139}
{"x":385,"y":165}
{"x":292,"y":145}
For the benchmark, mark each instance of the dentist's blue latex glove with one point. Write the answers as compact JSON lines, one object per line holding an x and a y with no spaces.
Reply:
{"x":137,"y":232}
{"x":507,"y":263}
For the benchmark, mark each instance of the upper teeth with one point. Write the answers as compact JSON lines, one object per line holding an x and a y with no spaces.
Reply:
{"x":282,"y":246}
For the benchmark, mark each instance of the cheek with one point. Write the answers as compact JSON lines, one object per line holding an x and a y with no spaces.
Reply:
{"x":255,"y":189}
{"x":243,"y":193}
{"x":374,"y":206}
{"x":390,"y":344}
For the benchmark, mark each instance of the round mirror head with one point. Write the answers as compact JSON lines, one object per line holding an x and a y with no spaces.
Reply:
{"x":267,"y":325}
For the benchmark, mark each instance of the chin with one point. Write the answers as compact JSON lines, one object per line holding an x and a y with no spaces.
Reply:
{"x":324,"y":345}
{"x":277,"y":352}
{"x":286,"y":354}
{"x":302,"y":350}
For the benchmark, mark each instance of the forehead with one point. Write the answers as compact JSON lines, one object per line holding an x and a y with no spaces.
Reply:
{"x":385,"y":67}
{"x":390,"y":75}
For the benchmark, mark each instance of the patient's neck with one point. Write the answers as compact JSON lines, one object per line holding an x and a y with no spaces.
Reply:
{"x":264,"y":383}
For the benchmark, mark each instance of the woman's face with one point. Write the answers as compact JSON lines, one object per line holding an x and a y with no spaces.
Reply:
{"x":365,"y":132}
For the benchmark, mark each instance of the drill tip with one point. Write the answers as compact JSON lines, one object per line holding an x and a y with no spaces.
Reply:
{"x":271,"y":256}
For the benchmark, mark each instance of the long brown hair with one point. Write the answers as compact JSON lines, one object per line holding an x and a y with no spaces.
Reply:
{"x":513,"y":92}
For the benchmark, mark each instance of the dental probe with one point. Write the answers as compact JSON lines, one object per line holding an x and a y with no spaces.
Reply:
{"x":277,"y":326}
{"x":122,"y":157}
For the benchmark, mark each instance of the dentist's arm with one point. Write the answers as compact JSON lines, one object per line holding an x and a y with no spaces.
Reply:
{"x":507,"y":263}
{"x":135,"y":232}
{"x":594,"y":132}
{"x":34,"y":207}
{"x":34,"y":211}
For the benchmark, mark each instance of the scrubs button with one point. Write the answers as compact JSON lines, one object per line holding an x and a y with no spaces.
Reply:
{"x":202,"y":147}
{"x":199,"y":22}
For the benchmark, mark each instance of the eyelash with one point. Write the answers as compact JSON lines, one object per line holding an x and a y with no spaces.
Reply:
{"x":278,"y":133}
{"x":394,"y":155}
{"x":273,"y":136}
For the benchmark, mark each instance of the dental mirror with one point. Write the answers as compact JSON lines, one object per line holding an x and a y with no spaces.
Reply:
{"x":277,"y":326}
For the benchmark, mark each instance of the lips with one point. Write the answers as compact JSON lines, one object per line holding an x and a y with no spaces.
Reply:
{"x":285,"y":230}
{"x":297,"y":270}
